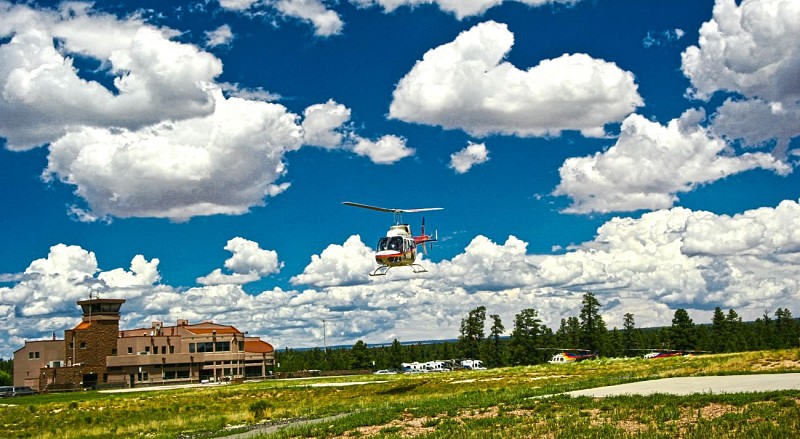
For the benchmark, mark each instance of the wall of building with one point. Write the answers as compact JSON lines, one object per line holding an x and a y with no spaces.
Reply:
{"x":31,"y":358}
{"x":91,"y":342}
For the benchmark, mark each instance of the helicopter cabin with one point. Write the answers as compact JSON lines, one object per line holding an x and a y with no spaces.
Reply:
{"x":397,"y":247}
{"x":398,"y":238}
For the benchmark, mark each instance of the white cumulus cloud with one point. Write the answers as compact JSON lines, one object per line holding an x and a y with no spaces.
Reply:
{"x":384,"y":151}
{"x":751,"y":50}
{"x":154,"y":78}
{"x":249,"y":257}
{"x":180,"y":169}
{"x":474,"y":154}
{"x":249,"y":263}
{"x":325,"y":21}
{"x":760,"y":232}
{"x":651,"y":163}
{"x":466,"y":85}
{"x":221,"y":36}
{"x":460,"y":8}
{"x":349,"y":263}
{"x":323,"y":123}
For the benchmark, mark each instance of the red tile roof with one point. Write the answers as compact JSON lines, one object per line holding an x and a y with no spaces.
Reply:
{"x":257,"y":346}
{"x":209,"y":330}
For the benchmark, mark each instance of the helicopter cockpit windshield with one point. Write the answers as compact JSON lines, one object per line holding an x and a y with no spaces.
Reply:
{"x":391,"y":243}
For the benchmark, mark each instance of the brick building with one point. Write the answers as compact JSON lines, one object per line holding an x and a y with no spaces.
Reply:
{"x":97,"y":353}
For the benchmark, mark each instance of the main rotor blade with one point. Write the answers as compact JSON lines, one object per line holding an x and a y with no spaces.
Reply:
{"x":393,"y":210}
{"x":366,"y":206}
{"x":424,"y":209}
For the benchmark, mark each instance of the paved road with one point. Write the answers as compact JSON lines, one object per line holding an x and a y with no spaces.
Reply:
{"x":706,"y":384}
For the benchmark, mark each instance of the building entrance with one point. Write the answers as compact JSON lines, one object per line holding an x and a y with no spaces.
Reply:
{"x":90,"y":380}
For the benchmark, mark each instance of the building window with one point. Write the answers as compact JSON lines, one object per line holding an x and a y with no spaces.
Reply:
{"x":172,"y":349}
{"x":147,"y":349}
{"x":155,"y":350}
{"x":33,"y":355}
{"x":201,"y":347}
{"x":72,"y":345}
{"x":83,"y":345}
{"x":130,"y":349}
{"x":241,"y":346}
{"x":114,"y":351}
{"x":223,"y":346}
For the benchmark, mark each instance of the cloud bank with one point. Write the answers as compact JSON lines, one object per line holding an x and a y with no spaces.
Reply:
{"x":648,"y":266}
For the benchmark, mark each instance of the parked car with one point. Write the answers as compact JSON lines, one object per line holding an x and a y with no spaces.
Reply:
{"x":8,"y":391}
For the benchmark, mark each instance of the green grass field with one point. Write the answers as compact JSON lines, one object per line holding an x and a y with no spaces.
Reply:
{"x":497,"y":403}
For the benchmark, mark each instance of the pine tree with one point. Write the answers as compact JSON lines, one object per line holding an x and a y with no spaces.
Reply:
{"x":787,"y":329}
{"x":525,"y":337}
{"x":593,"y":328}
{"x":764,"y":332}
{"x":568,"y":334}
{"x":395,"y":356}
{"x":472,"y":332}
{"x":494,"y":347}
{"x":736,"y":341}
{"x":360,"y":356}
{"x":616,"y":345}
{"x":719,"y":331}
{"x":683,"y":335}
{"x":631,"y":337}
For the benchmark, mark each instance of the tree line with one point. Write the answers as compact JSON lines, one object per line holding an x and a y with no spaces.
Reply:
{"x":532,"y":342}
{"x":6,"y":372}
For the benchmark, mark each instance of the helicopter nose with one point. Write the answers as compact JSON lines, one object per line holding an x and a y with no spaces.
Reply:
{"x":387,"y":257}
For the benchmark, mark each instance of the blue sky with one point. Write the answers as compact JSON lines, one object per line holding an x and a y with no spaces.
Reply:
{"x":193,"y":160}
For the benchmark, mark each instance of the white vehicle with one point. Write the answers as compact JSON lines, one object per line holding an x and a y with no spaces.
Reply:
{"x":472,"y":364}
{"x":414,"y":367}
{"x":436,"y":366}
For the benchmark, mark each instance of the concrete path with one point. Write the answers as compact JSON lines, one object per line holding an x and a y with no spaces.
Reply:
{"x":705,"y":384}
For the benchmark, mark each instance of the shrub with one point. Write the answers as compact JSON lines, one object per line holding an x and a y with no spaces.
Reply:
{"x":258,"y":408}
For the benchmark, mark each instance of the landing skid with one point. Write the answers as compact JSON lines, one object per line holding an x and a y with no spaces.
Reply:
{"x":383,"y":269}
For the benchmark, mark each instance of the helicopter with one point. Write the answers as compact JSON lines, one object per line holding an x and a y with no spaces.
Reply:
{"x":570,"y":355}
{"x":665,"y":353}
{"x":399,"y":247}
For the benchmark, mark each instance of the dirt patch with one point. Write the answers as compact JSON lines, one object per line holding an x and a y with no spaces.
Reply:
{"x":409,"y":426}
{"x":691,"y":415}
{"x":713,"y":411}
{"x":777,"y":365}
{"x":630,"y":426}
